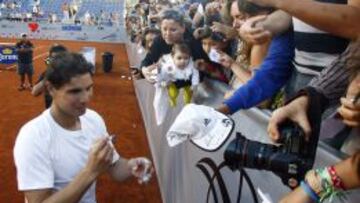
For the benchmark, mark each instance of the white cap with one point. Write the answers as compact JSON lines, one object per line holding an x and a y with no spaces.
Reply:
{"x":204,"y":126}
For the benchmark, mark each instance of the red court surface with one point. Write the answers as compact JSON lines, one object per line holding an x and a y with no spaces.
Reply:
{"x":114,"y":99}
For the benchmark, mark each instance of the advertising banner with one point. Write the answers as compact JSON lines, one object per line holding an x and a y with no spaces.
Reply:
{"x":8,"y":54}
{"x":47,"y":31}
{"x":71,"y":28}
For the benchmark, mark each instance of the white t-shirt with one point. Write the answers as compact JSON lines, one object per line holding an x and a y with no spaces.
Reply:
{"x":49,"y":156}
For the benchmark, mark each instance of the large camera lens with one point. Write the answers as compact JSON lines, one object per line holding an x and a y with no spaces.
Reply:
{"x":244,"y":153}
{"x":289,"y":161}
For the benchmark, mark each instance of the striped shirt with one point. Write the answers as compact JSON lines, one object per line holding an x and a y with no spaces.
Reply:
{"x":333,"y":81}
{"x":314,"y":48}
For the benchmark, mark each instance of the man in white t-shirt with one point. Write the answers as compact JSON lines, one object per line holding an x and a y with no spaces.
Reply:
{"x":59,"y":154}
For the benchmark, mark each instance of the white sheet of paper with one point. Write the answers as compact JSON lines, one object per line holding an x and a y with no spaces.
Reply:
{"x":200,"y":9}
{"x":214,"y":56}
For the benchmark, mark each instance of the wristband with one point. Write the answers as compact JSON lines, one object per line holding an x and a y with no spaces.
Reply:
{"x":336,"y":180}
{"x":308,"y":190}
{"x":329,"y":190}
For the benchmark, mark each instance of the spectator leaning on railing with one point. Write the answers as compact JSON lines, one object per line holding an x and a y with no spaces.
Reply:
{"x":322,"y":29}
{"x":173,"y":31}
{"x":331,"y":181}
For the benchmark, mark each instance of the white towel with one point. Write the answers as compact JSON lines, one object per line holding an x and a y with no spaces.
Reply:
{"x":161,"y":103}
{"x":204,"y":126}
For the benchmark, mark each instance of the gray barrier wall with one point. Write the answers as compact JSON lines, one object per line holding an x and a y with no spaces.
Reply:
{"x":182,"y":170}
{"x":63,"y":32}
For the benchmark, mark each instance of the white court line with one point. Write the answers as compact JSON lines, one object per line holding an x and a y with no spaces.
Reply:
{"x":39,"y":47}
{"x":36,"y":48}
{"x":36,"y":57}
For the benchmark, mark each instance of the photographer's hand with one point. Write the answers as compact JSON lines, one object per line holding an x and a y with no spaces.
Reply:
{"x":350,"y":106}
{"x":345,"y":170}
{"x":294,"y":111}
{"x":350,"y":112}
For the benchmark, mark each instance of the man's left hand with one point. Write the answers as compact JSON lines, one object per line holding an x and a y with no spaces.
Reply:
{"x":141,"y":168}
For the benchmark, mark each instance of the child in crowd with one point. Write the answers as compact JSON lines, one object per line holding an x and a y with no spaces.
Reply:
{"x":175,"y":71}
{"x":212,"y":42}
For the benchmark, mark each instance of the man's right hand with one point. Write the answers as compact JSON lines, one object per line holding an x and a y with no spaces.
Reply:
{"x":100,"y":157}
{"x":295,"y":111}
{"x":252,"y":31}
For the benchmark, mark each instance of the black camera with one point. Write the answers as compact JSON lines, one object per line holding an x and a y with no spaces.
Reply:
{"x":290,"y":161}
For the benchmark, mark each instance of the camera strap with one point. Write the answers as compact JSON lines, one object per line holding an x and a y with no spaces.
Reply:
{"x":314,"y":113}
{"x":221,"y":183}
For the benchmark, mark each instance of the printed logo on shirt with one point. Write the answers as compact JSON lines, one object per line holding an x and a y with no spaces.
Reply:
{"x":226,"y":122}
{"x":207,"y":121}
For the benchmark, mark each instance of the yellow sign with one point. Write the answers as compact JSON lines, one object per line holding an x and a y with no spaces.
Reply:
{"x":7,"y":51}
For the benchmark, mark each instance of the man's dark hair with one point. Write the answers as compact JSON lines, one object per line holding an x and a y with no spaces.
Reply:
{"x":57,"y":48}
{"x":64,"y":67}
{"x":251,"y":8}
{"x":171,"y":14}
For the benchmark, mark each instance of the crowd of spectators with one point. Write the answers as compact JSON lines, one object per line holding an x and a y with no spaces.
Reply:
{"x":68,"y":13}
{"x":11,"y":10}
{"x":274,"y":54}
